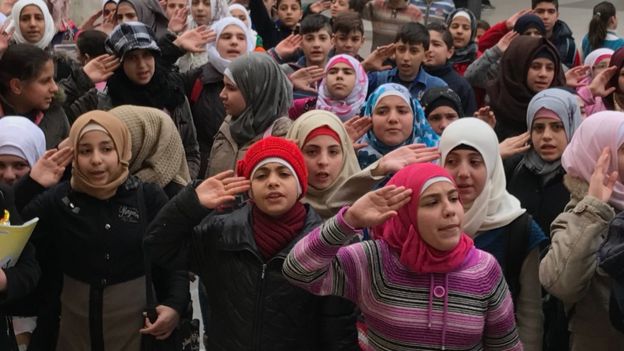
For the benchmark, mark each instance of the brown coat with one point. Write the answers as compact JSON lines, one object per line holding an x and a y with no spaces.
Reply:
{"x":570,"y":269}
{"x":225,"y":152}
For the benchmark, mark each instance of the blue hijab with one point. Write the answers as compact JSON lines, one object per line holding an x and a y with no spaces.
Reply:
{"x":421,"y":130}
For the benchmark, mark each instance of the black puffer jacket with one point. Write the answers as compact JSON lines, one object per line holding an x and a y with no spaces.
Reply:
{"x":252,"y":305}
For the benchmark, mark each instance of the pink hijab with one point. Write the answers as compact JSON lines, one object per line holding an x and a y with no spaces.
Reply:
{"x":351,"y":106}
{"x":401,"y":231}
{"x":603,"y":129}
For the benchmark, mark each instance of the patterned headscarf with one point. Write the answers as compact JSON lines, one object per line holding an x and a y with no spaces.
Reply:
{"x":351,"y":106}
{"x":421,"y":130}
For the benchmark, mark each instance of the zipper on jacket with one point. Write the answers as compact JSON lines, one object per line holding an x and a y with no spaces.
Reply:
{"x":259,"y":307}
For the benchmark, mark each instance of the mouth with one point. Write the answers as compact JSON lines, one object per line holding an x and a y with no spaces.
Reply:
{"x":274,"y":195}
{"x":322,"y":176}
{"x":393,"y":130}
{"x":464,"y":187}
{"x":97,"y":174}
{"x":405,"y":66}
{"x":548,"y":147}
{"x":233,"y":52}
{"x":144,"y":75}
{"x":449,"y":227}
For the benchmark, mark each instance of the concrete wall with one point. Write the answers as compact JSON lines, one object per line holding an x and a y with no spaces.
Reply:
{"x":81,"y":9}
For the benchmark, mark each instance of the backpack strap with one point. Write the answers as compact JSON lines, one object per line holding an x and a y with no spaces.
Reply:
{"x":517,"y":240}
{"x":198,"y":86}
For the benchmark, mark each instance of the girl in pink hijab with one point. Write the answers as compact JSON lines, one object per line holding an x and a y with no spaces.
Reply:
{"x":421,"y":284}
{"x":594,"y":163}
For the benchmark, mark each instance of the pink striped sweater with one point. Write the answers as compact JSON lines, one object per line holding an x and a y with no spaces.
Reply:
{"x":468,"y":309}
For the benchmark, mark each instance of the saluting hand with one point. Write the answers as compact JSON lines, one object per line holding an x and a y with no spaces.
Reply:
{"x":217,"y":191}
{"x":377,"y":206}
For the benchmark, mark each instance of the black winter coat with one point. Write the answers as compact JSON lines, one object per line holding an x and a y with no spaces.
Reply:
{"x":252,"y":305}
{"x":98,"y":242}
{"x":544,"y":201}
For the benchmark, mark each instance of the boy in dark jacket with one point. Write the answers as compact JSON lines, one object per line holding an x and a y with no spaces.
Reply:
{"x":239,"y":255}
{"x":557,"y":31}
{"x":436,"y":64}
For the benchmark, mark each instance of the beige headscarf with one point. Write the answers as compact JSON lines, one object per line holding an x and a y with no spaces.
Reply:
{"x":120,"y":135}
{"x":304,"y":125}
{"x":157,"y":150}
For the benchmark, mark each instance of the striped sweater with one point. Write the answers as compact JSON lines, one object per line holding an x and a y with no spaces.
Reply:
{"x":468,"y":309}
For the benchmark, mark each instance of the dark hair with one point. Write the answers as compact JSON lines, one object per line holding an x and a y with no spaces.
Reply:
{"x":598,"y":24}
{"x":278,"y":2}
{"x":347,"y":22}
{"x":91,"y":42}
{"x":21,"y":61}
{"x":534,"y":3}
{"x":483,"y":24}
{"x":314,"y":23}
{"x":441,"y":28}
{"x":357,"y":5}
{"x":413,"y":33}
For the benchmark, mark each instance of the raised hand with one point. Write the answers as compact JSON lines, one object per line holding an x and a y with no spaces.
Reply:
{"x":5,"y":36}
{"x":164,"y":325}
{"x":486,"y":115}
{"x":358,"y":126}
{"x":601,"y":184}
{"x":48,"y":170}
{"x":305,"y":79}
{"x":101,"y":68}
{"x":177,"y":22}
{"x":288,"y":46}
{"x":404,"y":156}
{"x":504,"y":42}
{"x":195,"y":40}
{"x":514,"y":145}
{"x":217,"y":191}
{"x":598,"y":85}
{"x":375,"y":61}
{"x":89,"y":23}
{"x":511,"y":21}
{"x":320,"y":6}
{"x":377,"y":206}
{"x":575,"y":75}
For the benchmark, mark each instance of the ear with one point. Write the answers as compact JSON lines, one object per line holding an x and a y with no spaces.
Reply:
{"x":16,"y":86}
{"x":451,"y":52}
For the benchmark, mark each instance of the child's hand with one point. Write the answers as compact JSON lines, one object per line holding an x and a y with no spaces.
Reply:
{"x":514,"y":145}
{"x":358,"y":126}
{"x":49,"y":169}
{"x":504,"y":42}
{"x":575,"y":74}
{"x":288,"y":46}
{"x":601,"y":184}
{"x":377,"y":206}
{"x":101,"y":68}
{"x":305,"y":79}
{"x":486,"y":116}
{"x":404,"y":156}
{"x":511,"y":21}
{"x":195,"y":40}
{"x":598,"y":85}
{"x":375,"y":61}
{"x":177,"y":22}
{"x":320,"y":6}
{"x":163,"y":326}
{"x":217,"y":191}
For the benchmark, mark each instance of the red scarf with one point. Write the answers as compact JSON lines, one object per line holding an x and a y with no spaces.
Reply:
{"x":273,"y":234}
{"x":401,"y":231}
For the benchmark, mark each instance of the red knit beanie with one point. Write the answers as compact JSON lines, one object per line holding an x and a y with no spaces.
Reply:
{"x":322,"y":130}
{"x":274,"y":147}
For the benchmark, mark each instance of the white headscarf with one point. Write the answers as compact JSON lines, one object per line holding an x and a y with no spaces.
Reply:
{"x":494,"y":207}
{"x":49,"y":30}
{"x":218,"y":10}
{"x":20,"y":137}
{"x":214,"y":58}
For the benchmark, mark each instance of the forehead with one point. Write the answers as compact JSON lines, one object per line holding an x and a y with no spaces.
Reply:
{"x":461,"y":20}
{"x":232,"y":29}
{"x":464,"y":153}
{"x":288,"y":3}
{"x":542,"y":61}
{"x":352,"y":33}
{"x":125,"y":7}
{"x":439,"y":187}
{"x":411,"y":46}
{"x":545,"y":120}
{"x":545,"y":6}
{"x":177,"y":2}
{"x":138,"y":53}
{"x":31,"y":9}
{"x":392,"y":100}
{"x":94,"y":137}
{"x":443,"y":109}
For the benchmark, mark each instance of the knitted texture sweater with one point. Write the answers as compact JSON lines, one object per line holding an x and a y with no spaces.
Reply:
{"x":467,"y":309}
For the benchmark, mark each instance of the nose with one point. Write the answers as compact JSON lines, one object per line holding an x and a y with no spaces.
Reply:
{"x":53,"y":87}
{"x":223,"y":95}
{"x":323,"y":159}
{"x":273,"y":180}
{"x":448,"y":210}
{"x":462,"y":170}
{"x":445,"y":122}
{"x":393,"y":117}
{"x":96,"y":158}
{"x":9,"y":176}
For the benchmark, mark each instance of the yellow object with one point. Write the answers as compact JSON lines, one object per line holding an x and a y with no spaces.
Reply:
{"x":13,"y":239}
{"x":5,"y":218}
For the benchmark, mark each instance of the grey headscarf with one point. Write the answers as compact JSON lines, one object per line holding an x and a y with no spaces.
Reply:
{"x":151,"y":14}
{"x":266,"y":90}
{"x":564,"y":104}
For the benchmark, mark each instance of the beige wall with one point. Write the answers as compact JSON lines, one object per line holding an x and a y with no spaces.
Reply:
{"x":81,"y":9}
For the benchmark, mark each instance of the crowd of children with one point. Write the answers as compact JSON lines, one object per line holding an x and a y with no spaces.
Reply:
{"x":460,"y":187}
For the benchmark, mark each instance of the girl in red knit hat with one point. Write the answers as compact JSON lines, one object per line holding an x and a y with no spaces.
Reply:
{"x":239,"y":254}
